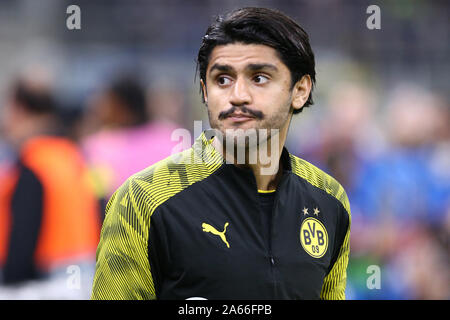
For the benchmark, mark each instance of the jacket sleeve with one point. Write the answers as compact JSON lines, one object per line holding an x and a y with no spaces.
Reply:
{"x":26,"y":215}
{"x":335,"y":282}
{"x":122,"y":264}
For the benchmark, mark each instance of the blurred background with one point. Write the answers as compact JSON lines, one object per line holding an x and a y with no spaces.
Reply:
{"x":122,"y":83}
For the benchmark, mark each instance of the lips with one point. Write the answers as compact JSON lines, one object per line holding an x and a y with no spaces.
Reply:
{"x":240,"y":117}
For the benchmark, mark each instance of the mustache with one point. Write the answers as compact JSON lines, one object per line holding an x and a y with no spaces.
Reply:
{"x":255,"y":113}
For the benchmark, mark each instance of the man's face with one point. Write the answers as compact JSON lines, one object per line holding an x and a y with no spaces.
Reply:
{"x":247,"y":87}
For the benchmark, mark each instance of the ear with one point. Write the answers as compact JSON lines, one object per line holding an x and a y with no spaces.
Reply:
{"x":205,"y":96}
{"x":301,"y":92}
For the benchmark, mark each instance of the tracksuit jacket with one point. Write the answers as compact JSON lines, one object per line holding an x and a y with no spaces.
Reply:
{"x":192,"y":226}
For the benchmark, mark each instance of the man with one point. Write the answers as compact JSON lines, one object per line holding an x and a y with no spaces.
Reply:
{"x":233,"y":226}
{"x":49,"y":217}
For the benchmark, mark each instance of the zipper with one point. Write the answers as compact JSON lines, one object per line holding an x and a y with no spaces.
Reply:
{"x":271,"y":219}
{"x":271,"y":222}
{"x":271,"y":258}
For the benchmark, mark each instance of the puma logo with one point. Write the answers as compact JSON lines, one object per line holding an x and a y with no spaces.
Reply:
{"x":209,"y":228}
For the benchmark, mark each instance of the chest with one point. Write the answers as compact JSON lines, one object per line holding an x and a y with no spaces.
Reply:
{"x":224,"y":244}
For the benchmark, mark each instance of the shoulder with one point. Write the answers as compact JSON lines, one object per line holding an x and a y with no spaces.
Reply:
{"x":319,"y":179}
{"x":156,"y":184}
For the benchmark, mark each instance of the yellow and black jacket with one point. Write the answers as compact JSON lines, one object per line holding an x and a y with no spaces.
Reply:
{"x":192,"y":226}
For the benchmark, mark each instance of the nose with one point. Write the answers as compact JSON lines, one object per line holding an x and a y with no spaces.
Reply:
{"x":240,"y":93}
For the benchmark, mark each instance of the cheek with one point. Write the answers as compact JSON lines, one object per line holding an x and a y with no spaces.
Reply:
{"x":213,"y":112}
{"x":217,"y":102}
{"x":277,"y":113}
{"x":274,"y":101}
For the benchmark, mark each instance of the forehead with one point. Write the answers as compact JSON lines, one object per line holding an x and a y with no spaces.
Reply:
{"x":239,"y":55}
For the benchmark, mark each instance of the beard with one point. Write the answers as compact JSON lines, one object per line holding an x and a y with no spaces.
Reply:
{"x":244,"y":144}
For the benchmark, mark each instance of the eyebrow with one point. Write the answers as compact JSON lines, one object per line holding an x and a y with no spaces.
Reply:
{"x":251,"y":67}
{"x":221,"y":67}
{"x":260,"y":66}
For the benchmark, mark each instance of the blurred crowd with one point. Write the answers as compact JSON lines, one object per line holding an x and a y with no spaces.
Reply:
{"x":58,"y":172}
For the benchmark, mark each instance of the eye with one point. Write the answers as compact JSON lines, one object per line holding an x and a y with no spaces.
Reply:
{"x":260,"y":79}
{"x":223,"y":81}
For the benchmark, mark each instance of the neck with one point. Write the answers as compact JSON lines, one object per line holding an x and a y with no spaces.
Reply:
{"x":263,"y":159}
{"x":267,"y":181}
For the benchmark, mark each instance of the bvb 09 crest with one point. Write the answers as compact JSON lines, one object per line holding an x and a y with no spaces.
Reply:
{"x":314,"y":237}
